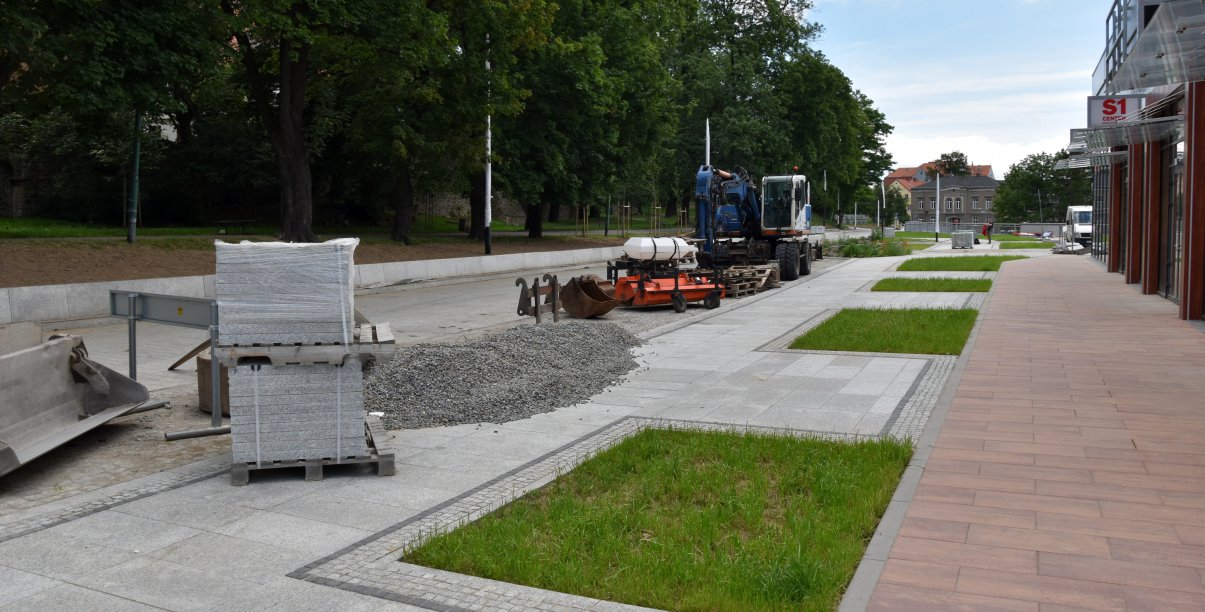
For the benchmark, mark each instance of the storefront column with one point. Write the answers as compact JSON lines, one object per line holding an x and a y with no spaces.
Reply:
{"x":1133,"y":219}
{"x":1151,"y":205}
{"x":1192,"y":302}
{"x":1113,"y":257}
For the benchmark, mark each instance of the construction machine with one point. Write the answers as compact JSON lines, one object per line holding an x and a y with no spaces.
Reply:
{"x":738,"y":226}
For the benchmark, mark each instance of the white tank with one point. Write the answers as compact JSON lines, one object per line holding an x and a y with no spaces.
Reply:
{"x":659,"y":249}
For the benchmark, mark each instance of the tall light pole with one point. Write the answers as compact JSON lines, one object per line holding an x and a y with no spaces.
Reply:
{"x":882,"y":211}
{"x":937,"y":212}
{"x":489,"y":152}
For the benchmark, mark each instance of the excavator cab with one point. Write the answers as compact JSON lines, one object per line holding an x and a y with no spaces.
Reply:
{"x":784,"y":205}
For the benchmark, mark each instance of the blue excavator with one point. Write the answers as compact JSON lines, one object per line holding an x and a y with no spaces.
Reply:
{"x":737,"y":226}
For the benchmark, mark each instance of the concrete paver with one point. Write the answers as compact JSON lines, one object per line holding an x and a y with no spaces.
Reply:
{"x":1067,"y":471}
{"x":1054,"y":469}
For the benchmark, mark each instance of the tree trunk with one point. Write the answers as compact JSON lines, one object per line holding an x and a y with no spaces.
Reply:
{"x":286,"y":128}
{"x":402,"y":199}
{"x":535,"y":220}
{"x":554,"y":213}
{"x":477,"y":206}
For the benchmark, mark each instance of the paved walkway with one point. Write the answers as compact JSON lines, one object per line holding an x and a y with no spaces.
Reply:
{"x":1028,"y":438}
{"x":1069,"y":472}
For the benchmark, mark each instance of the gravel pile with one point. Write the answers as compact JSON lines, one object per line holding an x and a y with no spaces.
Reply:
{"x":504,"y":377}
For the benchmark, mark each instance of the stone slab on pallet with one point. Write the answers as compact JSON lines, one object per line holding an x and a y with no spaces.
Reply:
{"x":240,"y":471}
{"x":266,"y":401}
{"x":270,"y":292}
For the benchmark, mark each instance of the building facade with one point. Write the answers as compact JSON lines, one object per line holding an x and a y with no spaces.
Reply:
{"x":965,"y":200}
{"x":1145,"y":144}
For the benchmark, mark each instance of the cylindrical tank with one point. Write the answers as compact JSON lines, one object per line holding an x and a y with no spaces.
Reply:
{"x":658,"y":249}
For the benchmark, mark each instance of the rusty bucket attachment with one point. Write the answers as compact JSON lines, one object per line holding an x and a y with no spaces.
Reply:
{"x":584,"y":297}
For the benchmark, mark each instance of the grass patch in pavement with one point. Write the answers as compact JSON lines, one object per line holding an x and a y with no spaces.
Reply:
{"x":690,"y":521}
{"x":933,"y":284}
{"x":946,"y":235}
{"x":887,"y":330}
{"x":1027,"y":244}
{"x":965,"y":263}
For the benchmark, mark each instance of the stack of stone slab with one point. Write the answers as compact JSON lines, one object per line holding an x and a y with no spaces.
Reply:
{"x":286,"y":293}
{"x":297,"y":412}
{"x":272,"y":295}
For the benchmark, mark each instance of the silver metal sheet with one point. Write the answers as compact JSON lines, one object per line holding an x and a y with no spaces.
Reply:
{"x":168,"y":309}
{"x":1170,"y":50}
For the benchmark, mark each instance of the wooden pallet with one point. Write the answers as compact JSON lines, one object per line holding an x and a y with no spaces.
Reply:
{"x":763,"y":277}
{"x":735,"y":288}
{"x":240,"y":473}
{"x":376,"y":340}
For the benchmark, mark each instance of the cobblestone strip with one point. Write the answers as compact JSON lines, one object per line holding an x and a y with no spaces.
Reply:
{"x":374,"y":567}
{"x":909,"y":421}
{"x":195,"y":472}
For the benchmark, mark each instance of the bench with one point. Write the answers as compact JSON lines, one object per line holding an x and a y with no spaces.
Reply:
{"x":241,"y":223}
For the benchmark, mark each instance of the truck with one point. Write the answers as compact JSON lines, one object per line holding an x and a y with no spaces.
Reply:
{"x":738,"y":226}
{"x":1078,"y":226}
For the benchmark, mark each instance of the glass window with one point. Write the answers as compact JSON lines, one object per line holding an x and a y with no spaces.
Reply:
{"x":958,"y":204}
{"x":975,"y":203}
{"x":949,"y":203}
{"x":987,"y":202}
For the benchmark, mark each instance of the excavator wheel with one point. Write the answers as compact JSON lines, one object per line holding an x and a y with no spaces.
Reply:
{"x":787,"y":254}
{"x":712,"y":301}
{"x":679,"y":301}
{"x":805,"y":262}
{"x":819,"y":246}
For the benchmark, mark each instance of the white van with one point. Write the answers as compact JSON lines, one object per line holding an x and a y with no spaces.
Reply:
{"x":1078,"y":226}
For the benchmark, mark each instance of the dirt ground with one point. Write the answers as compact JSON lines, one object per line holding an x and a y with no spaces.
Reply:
{"x":53,"y":262}
{"x":123,"y":449}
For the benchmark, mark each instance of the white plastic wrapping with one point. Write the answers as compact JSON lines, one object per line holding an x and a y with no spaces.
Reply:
{"x":286,"y":293}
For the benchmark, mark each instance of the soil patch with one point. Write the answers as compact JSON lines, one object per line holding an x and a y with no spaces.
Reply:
{"x":55,"y":262}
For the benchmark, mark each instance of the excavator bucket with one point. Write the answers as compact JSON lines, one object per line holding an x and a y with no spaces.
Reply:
{"x":52,"y":393}
{"x":585,"y":297}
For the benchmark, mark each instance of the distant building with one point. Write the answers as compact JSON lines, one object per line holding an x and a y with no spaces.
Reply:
{"x":966,"y":200}
{"x":906,"y":178}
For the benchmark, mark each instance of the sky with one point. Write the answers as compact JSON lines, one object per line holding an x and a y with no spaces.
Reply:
{"x":995,"y":79}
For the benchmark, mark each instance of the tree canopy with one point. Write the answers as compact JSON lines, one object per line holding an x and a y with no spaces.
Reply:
{"x":1034,"y":191}
{"x":352,"y":111}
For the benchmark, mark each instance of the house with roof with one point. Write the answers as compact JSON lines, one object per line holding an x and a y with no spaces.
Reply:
{"x":965,"y":200}
{"x":906,"y":178}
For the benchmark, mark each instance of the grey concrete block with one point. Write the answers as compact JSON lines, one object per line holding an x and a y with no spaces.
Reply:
{"x":86,"y":299}
{"x":71,"y":597}
{"x":19,"y":584}
{"x":44,"y":303}
{"x":6,"y":312}
{"x":370,"y":275}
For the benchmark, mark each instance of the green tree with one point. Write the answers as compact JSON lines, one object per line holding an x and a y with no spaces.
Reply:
{"x":1034,"y":190}
{"x":897,"y":207}
{"x":953,"y":163}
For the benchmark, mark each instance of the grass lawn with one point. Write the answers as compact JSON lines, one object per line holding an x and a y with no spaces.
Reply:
{"x":690,"y":521}
{"x":1028,"y":244}
{"x":968,"y":263}
{"x":932,"y":284}
{"x":875,"y":330}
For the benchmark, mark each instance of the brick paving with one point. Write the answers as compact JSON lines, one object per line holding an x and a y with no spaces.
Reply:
{"x":1069,"y":472}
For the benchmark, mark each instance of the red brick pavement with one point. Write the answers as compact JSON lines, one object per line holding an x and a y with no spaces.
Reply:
{"x":1069,"y":473}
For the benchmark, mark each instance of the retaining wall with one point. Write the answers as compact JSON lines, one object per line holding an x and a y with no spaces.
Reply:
{"x":55,"y":303}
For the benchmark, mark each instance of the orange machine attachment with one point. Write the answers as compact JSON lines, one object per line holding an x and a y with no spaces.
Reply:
{"x":657,"y":283}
